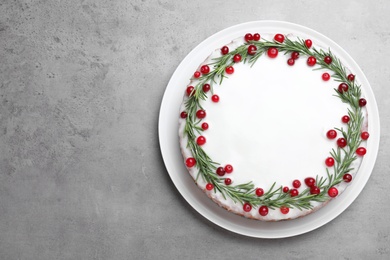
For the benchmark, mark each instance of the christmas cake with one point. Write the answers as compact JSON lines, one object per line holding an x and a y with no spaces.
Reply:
{"x":272,"y":127}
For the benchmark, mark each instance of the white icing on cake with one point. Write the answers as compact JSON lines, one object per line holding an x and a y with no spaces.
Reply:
{"x":270,"y":124}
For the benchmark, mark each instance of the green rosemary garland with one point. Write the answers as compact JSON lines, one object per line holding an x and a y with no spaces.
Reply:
{"x":275,"y":197}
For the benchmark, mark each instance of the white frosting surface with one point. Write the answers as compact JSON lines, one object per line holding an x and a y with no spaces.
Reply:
{"x":270,"y":124}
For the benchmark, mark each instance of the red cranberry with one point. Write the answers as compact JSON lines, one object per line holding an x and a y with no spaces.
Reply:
{"x":247,"y":207}
{"x":315,"y":190}
{"x":229,"y":70}
{"x":205,"y":69}
{"x":294,"y":192}
{"x":248,"y":37}
{"x":343,"y":87}
{"x":345,"y":119}
{"x":328,"y":60}
{"x":200,"y":114}
{"x":237,"y":58}
{"x":341,"y":142}
{"x":189,"y":90}
{"x":347,"y":177}
{"x":331,"y":134}
{"x":259,"y":192}
{"x":362,"y":102}
{"x":201,"y":140}
{"x":279,"y":38}
{"x":183,"y":114}
{"x":209,"y":186}
{"x":225,"y":50}
{"x":263,"y":211}
{"x":310,"y":181}
{"x":311,"y":61}
{"x":272,"y":52}
{"x":220,"y":171}
{"x":296,"y":184}
{"x":295,"y":55}
{"x":284,"y":210}
{"x":252,"y":49}
{"x":256,"y":37}
{"x":228,"y":168}
{"x":228,"y":181}
{"x":361,"y":151}
{"x":365,"y":135}
{"x":329,"y":161}
{"x":325,"y":76}
{"x":190,"y":162}
{"x":308,"y":43}
{"x":215,"y":98}
{"x":333,"y":192}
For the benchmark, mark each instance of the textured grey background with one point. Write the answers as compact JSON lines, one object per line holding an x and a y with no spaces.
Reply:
{"x":81,"y":175}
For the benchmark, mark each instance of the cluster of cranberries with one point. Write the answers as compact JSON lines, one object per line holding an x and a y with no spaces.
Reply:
{"x":200,"y":113}
{"x":343,"y":88}
{"x":221,"y":171}
{"x":272,"y":52}
{"x":263,"y":210}
{"x":342,"y":142}
{"x":204,"y":69}
{"x":201,"y":140}
{"x":236,"y":58}
{"x":248,"y":38}
{"x":314,"y":190}
{"x":311,"y":60}
{"x":294,"y":56}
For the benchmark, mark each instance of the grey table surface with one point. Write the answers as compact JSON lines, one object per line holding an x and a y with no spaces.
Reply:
{"x":81,"y":173}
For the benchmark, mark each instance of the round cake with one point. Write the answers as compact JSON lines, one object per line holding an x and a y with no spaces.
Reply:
{"x":272,"y":127}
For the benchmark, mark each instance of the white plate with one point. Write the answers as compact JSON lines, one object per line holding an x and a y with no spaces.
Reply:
{"x":169,"y":140}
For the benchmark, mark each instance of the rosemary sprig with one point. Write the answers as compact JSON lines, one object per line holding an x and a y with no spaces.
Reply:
{"x":275,"y":197}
